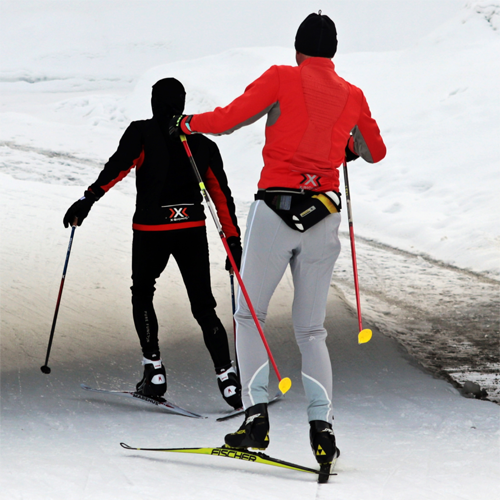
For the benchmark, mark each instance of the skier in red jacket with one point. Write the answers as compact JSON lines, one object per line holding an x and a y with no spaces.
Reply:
{"x":315,"y":119}
{"x":170,"y":221}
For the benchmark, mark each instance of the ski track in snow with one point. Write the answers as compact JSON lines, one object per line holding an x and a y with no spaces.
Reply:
{"x":23,"y":162}
{"x":42,"y":165}
{"x":375,"y":389}
{"x":447,"y":318}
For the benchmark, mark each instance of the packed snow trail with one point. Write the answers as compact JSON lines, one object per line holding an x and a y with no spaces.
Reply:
{"x":447,"y":318}
{"x":402,"y":433}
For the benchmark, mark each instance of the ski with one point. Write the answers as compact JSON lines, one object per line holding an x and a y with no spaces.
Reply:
{"x":160,"y":402}
{"x":240,"y":411}
{"x":245,"y":455}
{"x":325,"y":471}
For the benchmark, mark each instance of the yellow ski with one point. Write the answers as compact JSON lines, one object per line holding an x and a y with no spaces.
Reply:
{"x":243,"y":454}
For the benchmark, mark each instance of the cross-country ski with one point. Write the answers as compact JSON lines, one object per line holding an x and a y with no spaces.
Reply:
{"x":323,"y":473}
{"x":158,"y":402}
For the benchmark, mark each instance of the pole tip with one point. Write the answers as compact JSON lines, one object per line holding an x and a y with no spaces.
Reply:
{"x":45,"y":369}
{"x":364,"y":336}
{"x":284,"y":385}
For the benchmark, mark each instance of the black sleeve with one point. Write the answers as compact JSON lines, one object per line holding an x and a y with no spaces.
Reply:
{"x":129,"y":154}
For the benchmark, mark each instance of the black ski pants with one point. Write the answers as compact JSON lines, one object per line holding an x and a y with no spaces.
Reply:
{"x":189,"y":247}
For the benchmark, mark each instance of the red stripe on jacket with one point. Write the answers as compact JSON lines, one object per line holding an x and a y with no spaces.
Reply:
{"x":136,"y":163}
{"x":168,"y":227}
{"x":220,"y":201}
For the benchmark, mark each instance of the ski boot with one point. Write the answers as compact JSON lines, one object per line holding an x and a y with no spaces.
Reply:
{"x":323,"y":446}
{"x":254,"y":432}
{"x":154,"y":380}
{"x":229,"y":386}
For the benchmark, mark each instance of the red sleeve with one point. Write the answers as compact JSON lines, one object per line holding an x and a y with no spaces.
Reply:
{"x":225,"y":207}
{"x":216,"y":183}
{"x":254,"y":103}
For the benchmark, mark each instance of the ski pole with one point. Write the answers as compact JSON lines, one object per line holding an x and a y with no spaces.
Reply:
{"x":284,"y":383}
{"x":45,"y":368}
{"x":233,"y":300}
{"x":233,"y":304}
{"x":366,"y":334}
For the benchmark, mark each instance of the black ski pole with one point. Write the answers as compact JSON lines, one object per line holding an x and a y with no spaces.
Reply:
{"x":233,"y":304}
{"x":45,"y":368}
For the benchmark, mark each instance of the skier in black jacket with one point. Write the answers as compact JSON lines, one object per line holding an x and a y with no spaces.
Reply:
{"x":170,"y":220}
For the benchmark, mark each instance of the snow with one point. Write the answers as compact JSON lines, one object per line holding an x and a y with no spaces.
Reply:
{"x":73,"y":74}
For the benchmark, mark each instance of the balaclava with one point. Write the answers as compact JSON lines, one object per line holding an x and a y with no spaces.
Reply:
{"x":168,"y":99}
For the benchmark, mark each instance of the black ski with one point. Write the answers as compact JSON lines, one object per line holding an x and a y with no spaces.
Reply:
{"x":240,"y":411}
{"x":160,"y":402}
{"x":245,"y":455}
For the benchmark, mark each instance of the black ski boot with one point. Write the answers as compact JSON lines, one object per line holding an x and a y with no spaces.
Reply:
{"x":154,"y":380}
{"x":323,"y":446}
{"x":254,"y":432}
{"x":229,"y":386}
{"x":323,"y":441}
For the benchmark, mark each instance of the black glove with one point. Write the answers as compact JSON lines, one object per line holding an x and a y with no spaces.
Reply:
{"x":80,"y":209}
{"x":349,"y":155}
{"x":234,"y":243}
{"x":179,"y":124}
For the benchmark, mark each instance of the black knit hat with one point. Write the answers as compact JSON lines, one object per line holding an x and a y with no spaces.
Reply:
{"x":316,"y":36}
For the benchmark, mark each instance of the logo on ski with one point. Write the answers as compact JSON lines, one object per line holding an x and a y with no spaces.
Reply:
{"x":221,"y":452}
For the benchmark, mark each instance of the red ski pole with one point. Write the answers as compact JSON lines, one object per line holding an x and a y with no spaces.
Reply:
{"x":284,"y":383}
{"x":366,"y":334}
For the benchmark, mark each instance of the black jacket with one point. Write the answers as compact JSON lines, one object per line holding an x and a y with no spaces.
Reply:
{"x":168,"y":195}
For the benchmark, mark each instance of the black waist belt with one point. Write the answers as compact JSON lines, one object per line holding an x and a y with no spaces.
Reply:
{"x":282,"y":199}
{"x":300,"y":209}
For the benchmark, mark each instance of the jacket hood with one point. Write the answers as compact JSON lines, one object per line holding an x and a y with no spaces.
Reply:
{"x":168,"y":98}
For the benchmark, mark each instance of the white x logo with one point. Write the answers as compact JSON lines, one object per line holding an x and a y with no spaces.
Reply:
{"x":178,"y":213}
{"x":311,"y":179}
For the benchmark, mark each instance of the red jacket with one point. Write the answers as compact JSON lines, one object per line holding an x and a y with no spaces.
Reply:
{"x":311,"y":114}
